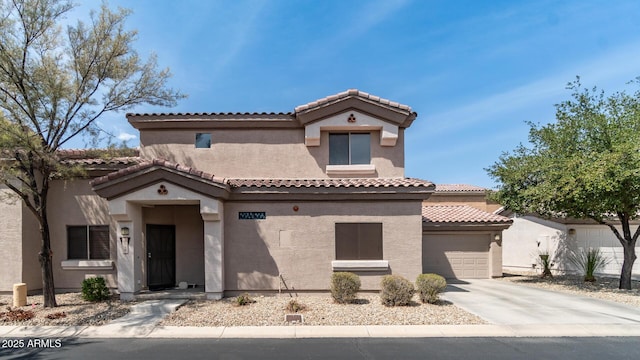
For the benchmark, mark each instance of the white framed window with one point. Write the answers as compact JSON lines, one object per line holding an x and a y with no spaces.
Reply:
{"x":88,"y":242}
{"x":349,"y":148}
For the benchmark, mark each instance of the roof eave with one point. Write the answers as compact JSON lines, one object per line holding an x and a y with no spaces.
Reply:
{"x":465,"y":226}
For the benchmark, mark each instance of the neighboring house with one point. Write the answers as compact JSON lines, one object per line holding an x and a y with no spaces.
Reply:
{"x":254,"y":202}
{"x":529,"y":236}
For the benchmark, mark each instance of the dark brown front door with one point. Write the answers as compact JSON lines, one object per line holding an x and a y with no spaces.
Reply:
{"x":161,"y":256}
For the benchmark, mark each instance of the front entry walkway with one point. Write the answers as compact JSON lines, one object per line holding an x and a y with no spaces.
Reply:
{"x":505,"y":303}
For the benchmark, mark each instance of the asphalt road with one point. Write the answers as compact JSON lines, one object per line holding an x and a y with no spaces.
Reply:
{"x":351,"y":349}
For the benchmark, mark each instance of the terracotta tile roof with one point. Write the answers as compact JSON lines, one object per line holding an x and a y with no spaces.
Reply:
{"x":348,"y":93}
{"x":94,"y":153}
{"x":277,"y":183}
{"x":156,"y":162}
{"x":110,"y":161}
{"x":223,"y":115}
{"x":460,"y":214}
{"x":99,"y":156}
{"x":458,"y":188}
{"x":335,"y":183}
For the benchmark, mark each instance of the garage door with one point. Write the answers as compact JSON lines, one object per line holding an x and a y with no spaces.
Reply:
{"x":462,"y":256}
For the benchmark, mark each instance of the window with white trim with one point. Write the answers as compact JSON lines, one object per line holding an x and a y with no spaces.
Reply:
{"x":349,"y":148}
{"x":88,"y":242}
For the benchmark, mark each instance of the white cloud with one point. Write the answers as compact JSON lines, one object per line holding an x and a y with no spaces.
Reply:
{"x":609,"y":72}
{"x":123,"y":136}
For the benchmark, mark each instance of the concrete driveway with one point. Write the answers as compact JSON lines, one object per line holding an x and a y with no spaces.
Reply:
{"x":503,"y":303}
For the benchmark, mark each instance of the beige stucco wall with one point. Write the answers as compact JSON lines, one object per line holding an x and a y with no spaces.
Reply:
{"x":19,"y":244}
{"x":478,"y":201}
{"x":189,"y":238}
{"x":10,"y":240}
{"x":72,"y":202}
{"x":31,"y":245}
{"x":268,"y":153}
{"x":301,"y":245}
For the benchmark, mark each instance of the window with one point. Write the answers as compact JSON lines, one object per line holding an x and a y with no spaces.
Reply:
{"x":88,"y":242}
{"x":349,"y":149}
{"x":203,"y":140}
{"x":359,"y":241}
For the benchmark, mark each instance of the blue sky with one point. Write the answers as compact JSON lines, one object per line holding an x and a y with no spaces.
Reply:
{"x":474,"y":71}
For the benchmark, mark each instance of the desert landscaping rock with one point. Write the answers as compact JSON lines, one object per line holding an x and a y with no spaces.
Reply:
{"x":604,"y":288}
{"x":320,"y":310}
{"x":76,"y":311}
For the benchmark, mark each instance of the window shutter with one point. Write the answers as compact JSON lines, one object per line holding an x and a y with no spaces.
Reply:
{"x":99,"y":242}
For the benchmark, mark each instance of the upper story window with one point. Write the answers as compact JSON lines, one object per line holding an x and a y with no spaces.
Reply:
{"x":349,"y":149}
{"x":88,"y":242}
{"x":203,"y":140}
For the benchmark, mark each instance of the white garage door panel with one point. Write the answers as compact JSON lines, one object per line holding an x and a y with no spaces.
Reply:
{"x":456,"y":256}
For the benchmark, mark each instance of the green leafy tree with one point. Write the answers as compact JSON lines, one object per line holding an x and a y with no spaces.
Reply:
{"x":54,"y":84}
{"x":585,"y":165}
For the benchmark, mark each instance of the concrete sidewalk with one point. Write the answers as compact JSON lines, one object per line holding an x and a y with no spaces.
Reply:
{"x":142,"y":322}
{"x":301,"y":331}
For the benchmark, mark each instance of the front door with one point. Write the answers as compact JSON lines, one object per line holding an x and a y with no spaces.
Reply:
{"x":161,"y":256}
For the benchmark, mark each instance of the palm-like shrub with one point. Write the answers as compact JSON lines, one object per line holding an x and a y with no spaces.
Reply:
{"x":589,"y":261}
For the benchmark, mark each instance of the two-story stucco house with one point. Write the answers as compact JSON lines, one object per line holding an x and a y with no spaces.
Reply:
{"x":244,"y":201}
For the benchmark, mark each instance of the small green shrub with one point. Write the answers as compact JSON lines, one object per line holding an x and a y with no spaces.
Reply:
{"x":429,"y":286}
{"x":244,"y":299}
{"x":396,"y":291}
{"x":344,"y":287}
{"x":95,"y":289}
{"x":293,"y":306}
{"x":589,"y":261}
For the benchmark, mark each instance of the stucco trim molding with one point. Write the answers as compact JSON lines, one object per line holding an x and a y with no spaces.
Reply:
{"x":87,"y":264}
{"x":360,"y":265}
{"x":362,"y":169}
{"x":351,"y":121}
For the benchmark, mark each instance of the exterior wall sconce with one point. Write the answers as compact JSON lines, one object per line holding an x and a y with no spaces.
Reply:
{"x":572,"y":231}
{"x":496,"y":237}
{"x":124,"y":239}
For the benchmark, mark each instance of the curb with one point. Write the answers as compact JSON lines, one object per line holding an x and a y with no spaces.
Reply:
{"x":302,"y":331}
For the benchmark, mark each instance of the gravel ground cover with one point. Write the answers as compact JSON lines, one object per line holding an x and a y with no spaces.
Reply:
{"x":604,"y":288}
{"x":319,"y":310}
{"x":71,"y":310}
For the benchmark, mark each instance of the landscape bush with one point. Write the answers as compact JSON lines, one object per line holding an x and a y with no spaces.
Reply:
{"x":429,"y":286}
{"x":344,"y":287}
{"x":396,"y":291}
{"x":244,"y":299}
{"x":95,"y":289}
{"x":293,"y":306}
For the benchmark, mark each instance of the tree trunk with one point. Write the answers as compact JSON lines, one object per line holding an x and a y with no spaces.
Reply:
{"x":627,"y":265}
{"x":46,"y":254}
{"x":628,"y":243}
